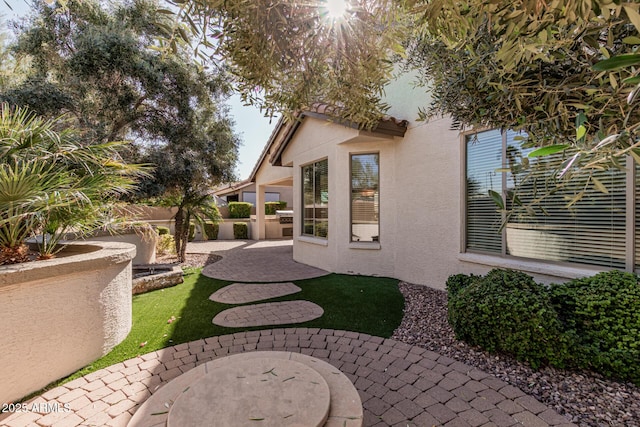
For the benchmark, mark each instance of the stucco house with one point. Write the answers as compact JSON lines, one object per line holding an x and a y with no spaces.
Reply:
{"x":409,"y":199}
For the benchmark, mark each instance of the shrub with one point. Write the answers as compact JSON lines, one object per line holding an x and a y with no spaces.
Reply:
{"x":192,"y":231}
{"x":270,"y":208}
{"x":162,"y":230}
{"x":507,"y":311}
{"x":165,"y":245}
{"x":211,"y":230}
{"x":240,"y":230}
{"x":239,"y":209}
{"x":603,"y":312}
{"x":457,"y":282}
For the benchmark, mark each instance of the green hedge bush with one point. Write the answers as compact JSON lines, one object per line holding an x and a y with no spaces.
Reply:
{"x":270,"y":208}
{"x":458,"y":282}
{"x":239,"y":209}
{"x":603,"y":313}
{"x":162,"y":230}
{"x":507,"y":311}
{"x":589,"y":323}
{"x":240,"y":230}
{"x":211,"y":230}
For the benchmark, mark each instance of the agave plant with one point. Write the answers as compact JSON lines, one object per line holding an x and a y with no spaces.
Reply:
{"x":52,"y":183}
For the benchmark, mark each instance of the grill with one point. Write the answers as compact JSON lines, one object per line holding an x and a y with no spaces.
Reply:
{"x":285,"y":217}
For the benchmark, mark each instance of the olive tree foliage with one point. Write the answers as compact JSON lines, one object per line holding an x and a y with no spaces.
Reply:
{"x":562,"y":71}
{"x":531,"y":65}
{"x":287,"y":55}
{"x":103,"y":65}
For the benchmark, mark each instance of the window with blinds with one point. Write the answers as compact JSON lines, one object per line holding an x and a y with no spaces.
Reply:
{"x":365,"y":197}
{"x":591,"y":231}
{"x":315,"y":199}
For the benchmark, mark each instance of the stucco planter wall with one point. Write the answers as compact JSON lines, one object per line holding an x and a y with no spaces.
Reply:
{"x":143,"y":239}
{"x":62,"y":314}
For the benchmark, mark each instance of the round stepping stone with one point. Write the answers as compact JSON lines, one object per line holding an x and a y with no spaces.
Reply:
{"x":270,"y":313}
{"x":275,"y":392}
{"x":345,"y":407}
{"x":241,"y":293}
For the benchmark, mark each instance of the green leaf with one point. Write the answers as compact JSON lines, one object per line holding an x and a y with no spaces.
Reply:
{"x":548,"y":150}
{"x":633,"y":15}
{"x":581,"y":132}
{"x":632,"y":80}
{"x":497,"y":198}
{"x":573,"y":200}
{"x":631,"y":40}
{"x":599,"y":185}
{"x":635,"y":153}
{"x":617,"y":62}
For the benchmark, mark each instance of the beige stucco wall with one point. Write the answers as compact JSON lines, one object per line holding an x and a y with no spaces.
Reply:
{"x":421,"y":199}
{"x":144,"y":242}
{"x":62,"y":314}
{"x":412,"y":206}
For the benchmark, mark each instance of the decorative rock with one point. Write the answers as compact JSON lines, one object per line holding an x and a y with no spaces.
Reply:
{"x":171,"y":276}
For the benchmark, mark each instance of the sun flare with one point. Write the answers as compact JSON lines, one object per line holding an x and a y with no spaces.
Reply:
{"x":336,"y":9}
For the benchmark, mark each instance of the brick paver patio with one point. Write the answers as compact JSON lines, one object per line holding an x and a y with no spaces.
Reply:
{"x":241,"y":293}
{"x":254,"y":261}
{"x":399,"y":384}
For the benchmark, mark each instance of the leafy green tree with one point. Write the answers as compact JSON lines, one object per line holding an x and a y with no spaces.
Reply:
{"x":529,"y":65}
{"x":187,"y":169}
{"x":106,"y":67}
{"x":537,"y":67}
{"x":103,"y":66}
{"x":287,"y":55}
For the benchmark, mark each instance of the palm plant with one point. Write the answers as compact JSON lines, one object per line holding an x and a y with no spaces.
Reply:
{"x":193,"y":207}
{"x":50,"y":183}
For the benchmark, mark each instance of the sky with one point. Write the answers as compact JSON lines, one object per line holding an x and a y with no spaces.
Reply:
{"x":254,"y":129}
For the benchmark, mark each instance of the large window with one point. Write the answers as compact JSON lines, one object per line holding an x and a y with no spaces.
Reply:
{"x":591,"y":231}
{"x":365,"y":197}
{"x":315,"y":199}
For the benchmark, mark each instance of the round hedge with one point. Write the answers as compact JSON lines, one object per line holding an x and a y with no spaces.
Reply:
{"x":507,"y":311}
{"x":603,"y":313}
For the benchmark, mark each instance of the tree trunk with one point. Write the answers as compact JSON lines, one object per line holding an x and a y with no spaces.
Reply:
{"x":182,"y":255}
{"x":177,"y":235}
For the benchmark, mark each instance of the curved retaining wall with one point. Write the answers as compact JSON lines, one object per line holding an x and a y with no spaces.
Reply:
{"x":61,"y":314}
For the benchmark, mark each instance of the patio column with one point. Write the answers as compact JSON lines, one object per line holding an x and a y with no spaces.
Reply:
{"x":258,"y":232}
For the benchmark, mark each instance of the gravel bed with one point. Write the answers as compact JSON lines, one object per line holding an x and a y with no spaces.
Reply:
{"x":192,"y":260}
{"x":586,"y":397}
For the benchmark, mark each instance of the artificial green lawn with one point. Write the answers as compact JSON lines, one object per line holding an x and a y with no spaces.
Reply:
{"x":370,"y":305}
